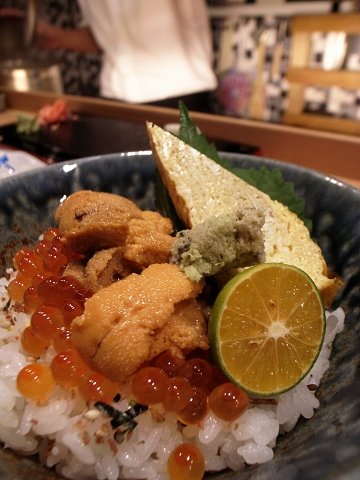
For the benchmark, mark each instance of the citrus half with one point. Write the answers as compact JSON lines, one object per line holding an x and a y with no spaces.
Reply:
{"x":267,"y":328}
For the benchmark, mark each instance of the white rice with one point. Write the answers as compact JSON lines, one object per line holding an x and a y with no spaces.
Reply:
{"x":79,"y":443}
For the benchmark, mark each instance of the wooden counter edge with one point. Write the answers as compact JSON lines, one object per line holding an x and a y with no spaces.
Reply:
{"x":330,"y":153}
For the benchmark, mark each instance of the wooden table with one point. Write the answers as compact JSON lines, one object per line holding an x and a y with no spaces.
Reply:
{"x":336,"y":155}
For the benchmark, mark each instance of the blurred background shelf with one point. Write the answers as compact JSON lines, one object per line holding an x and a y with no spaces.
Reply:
{"x":321,"y":122}
{"x":315,"y":76}
{"x":292,"y":66}
{"x":333,"y":154}
{"x":300,"y":76}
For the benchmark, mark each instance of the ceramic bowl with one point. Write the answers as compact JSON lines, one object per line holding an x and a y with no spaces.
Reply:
{"x":325,"y":447}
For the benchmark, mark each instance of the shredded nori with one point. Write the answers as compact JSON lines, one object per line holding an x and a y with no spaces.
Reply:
{"x":7,"y":306}
{"x":124,"y":421}
{"x":117,"y":398}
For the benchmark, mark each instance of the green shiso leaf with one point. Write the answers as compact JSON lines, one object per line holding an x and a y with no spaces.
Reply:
{"x":189,"y":134}
{"x":269,"y":181}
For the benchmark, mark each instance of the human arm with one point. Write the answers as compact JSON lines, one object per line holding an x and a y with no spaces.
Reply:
{"x":51,"y":36}
{"x":77,"y":39}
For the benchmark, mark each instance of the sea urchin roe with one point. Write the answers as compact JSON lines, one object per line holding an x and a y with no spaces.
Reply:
{"x":35,"y":382}
{"x":186,"y":462}
{"x":149,"y":385}
{"x":129,"y":322}
{"x":227,"y":401}
{"x":195,"y":409}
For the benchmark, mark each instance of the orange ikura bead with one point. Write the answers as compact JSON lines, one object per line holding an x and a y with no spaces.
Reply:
{"x":31,"y":299}
{"x":68,"y":368}
{"x":54,"y":261}
{"x":35,"y":382}
{"x":198,"y":371}
{"x":30,"y":264}
{"x":70,"y":310}
{"x":38,"y":278}
{"x":47,"y":291}
{"x":45,"y":322}
{"x":195,"y":409}
{"x":62,"y":339}
{"x":227,"y":401}
{"x":19,"y":255}
{"x":51,"y":233}
{"x":32,"y":344}
{"x":186,"y":462}
{"x":149,"y":385}
{"x":17,"y":288}
{"x":42,"y":247}
{"x":169,"y":363}
{"x":178,"y":394}
{"x":97,"y":388}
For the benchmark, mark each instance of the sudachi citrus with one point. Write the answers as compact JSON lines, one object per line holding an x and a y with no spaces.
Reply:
{"x":267,"y":328}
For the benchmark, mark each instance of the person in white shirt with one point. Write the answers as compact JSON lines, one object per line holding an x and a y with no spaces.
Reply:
{"x":153,"y":50}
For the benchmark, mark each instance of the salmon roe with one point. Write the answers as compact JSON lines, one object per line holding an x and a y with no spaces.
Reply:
{"x":46,"y":321}
{"x":94,"y":387}
{"x":53,"y":300}
{"x":17,"y":288}
{"x":186,"y":462}
{"x":198,"y":371}
{"x":227,"y":401}
{"x":196,"y":409}
{"x":32,"y":344}
{"x":48,"y":258}
{"x":149,"y":385}
{"x":35,"y":381}
{"x":68,"y":368}
{"x":62,"y":339}
{"x":169,"y":363}
{"x":189,"y":388}
{"x":178,"y":394}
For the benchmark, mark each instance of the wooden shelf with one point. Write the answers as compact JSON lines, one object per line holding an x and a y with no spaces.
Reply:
{"x":300,"y":76}
{"x":343,"y":22}
{"x":322,"y":122}
{"x":325,"y":78}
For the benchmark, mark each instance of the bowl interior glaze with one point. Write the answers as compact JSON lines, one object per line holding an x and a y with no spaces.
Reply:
{"x":325,"y":447}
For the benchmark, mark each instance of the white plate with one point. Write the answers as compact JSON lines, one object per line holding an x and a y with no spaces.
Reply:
{"x":16,"y":161}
